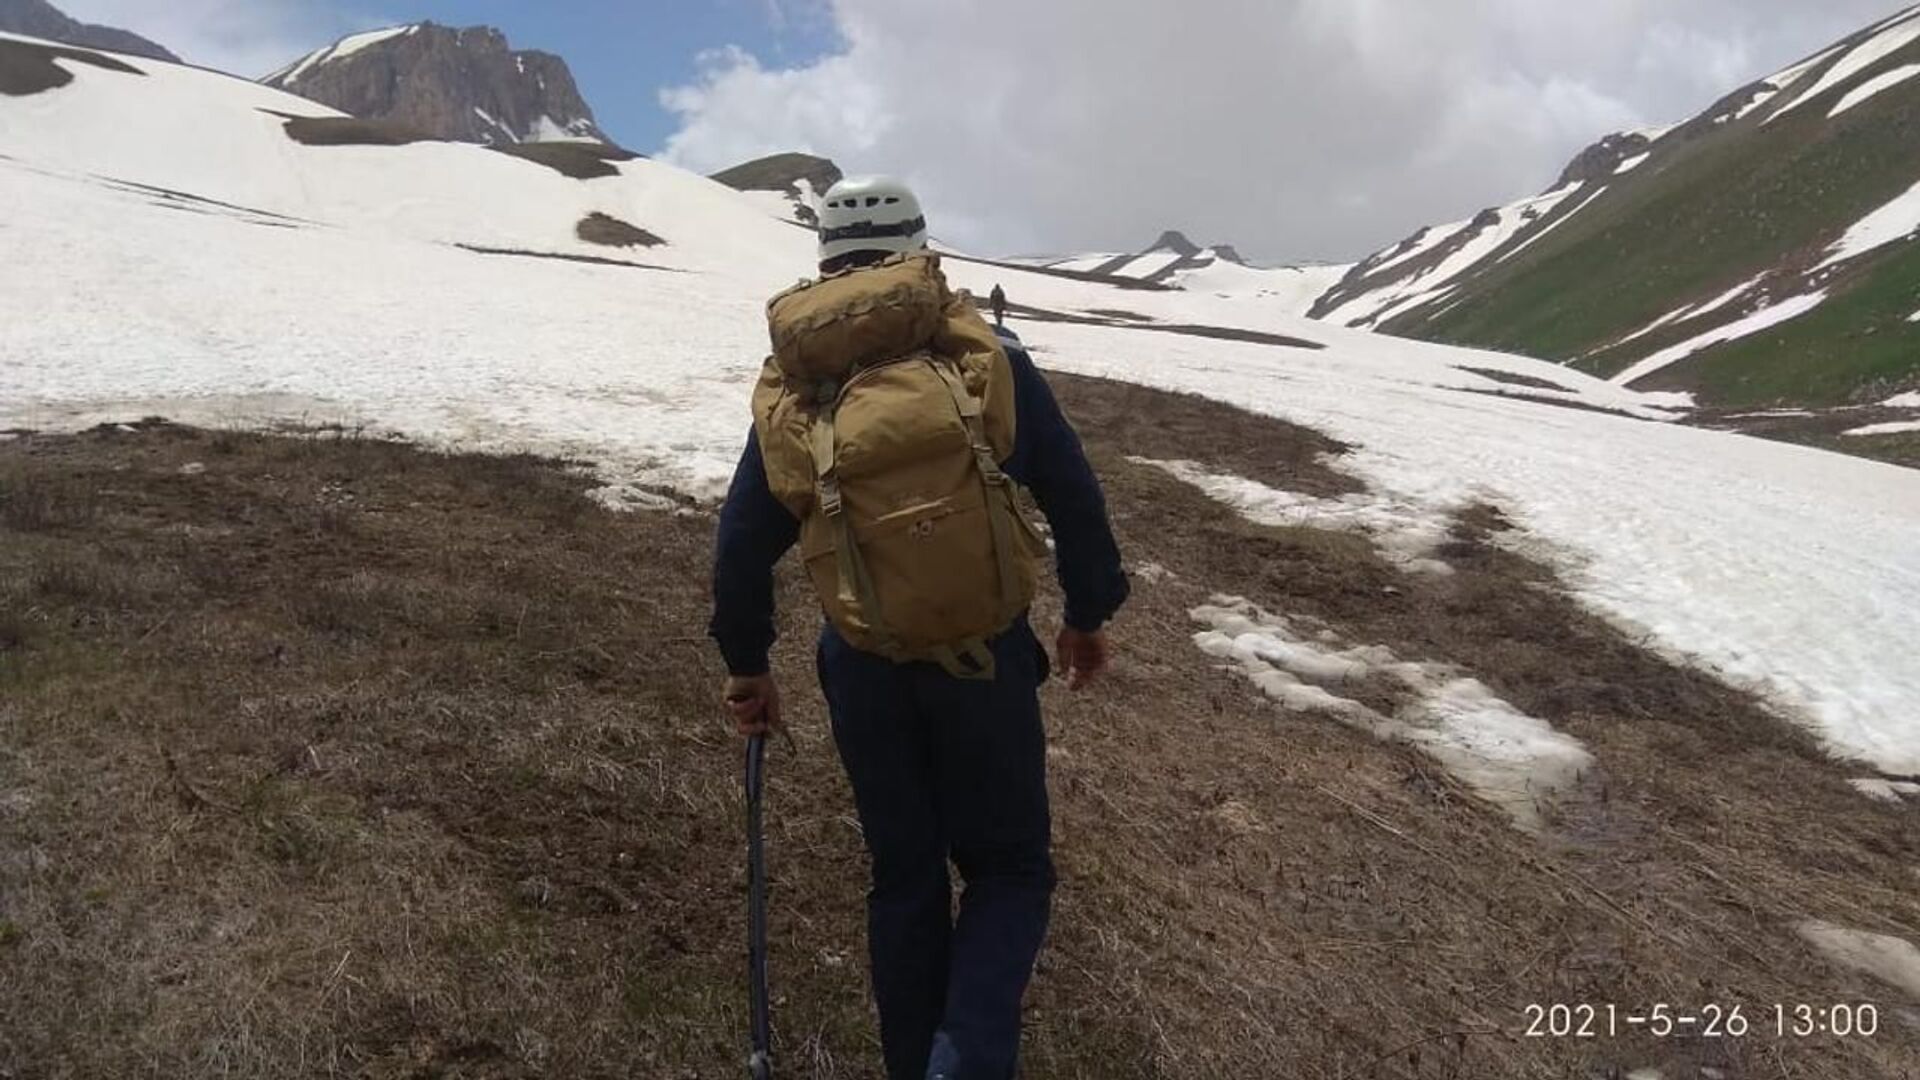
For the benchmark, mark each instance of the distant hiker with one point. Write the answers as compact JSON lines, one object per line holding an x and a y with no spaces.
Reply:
{"x":998,"y":298}
{"x":892,"y":428}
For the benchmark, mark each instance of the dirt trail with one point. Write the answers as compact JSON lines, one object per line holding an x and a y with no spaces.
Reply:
{"x":335,"y":757}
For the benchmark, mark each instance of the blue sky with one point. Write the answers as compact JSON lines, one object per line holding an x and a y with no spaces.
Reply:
{"x":623,"y":52}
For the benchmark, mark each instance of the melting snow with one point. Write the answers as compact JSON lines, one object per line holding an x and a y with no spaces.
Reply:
{"x":1892,"y":223}
{"x":1559,"y":221}
{"x":1790,"y":308}
{"x":1513,"y":760}
{"x":1508,"y":222}
{"x":1406,"y":533}
{"x":1891,"y":791}
{"x":1863,"y":56}
{"x":1632,"y":163}
{"x":1787,"y":570}
{"x":1894,"y":961}
{"x":1886,"y":80}
{"x":1905,"y":401}
{"x":1898,"y":427}
{"x":1429,"y":239}
{"x":1691,"y":312}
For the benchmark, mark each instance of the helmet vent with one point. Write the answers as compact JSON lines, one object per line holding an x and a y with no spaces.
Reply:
{"x":873,"y":200}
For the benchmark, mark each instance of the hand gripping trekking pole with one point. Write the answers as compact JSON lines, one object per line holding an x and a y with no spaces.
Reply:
{"x":761,"y":1063}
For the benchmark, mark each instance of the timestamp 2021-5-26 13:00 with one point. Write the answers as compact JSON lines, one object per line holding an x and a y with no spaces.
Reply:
{"x":1800,"y":1020}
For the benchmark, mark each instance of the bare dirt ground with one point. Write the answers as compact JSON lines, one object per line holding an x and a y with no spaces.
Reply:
{"x":333,"y":757}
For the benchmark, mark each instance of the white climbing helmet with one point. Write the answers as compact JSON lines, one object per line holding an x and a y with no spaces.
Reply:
{"x":870,"y":213}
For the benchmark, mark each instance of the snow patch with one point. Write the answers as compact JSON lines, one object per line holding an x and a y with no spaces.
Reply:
{"x":339,"y":50}
{"x":1905,"y":401}
{"x":1863,"y":56}
{"x":1892,"y":223}
{"x":1880,"y":790}
{"x":1429,"y":239}
{"x":1559,"y":221}
{"x":1894,"y":961}
{"x":1766,"y":317}
{"x":1508,"y":221}
{"x":1897,"y":427}
{"x":1632,"y":163}
{"x":1406,"y":533}
{"x":1515,"y":761}
{"x":1886,"y":80}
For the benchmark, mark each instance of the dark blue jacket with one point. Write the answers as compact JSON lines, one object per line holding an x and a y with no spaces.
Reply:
{"x":756,"y":530}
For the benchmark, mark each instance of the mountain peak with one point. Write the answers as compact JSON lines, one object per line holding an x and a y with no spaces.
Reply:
{"x":1175,"y":241}
{"x":461,"y":84}
{"x":37,"y":18}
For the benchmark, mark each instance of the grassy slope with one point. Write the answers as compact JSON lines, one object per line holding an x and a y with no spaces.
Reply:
{"x":1701,"y":217}
{"x":340,"y":758}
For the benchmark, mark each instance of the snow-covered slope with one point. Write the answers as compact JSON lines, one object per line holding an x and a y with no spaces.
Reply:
{"x":1763,"y":252}
{"x":1178,"y":262}
{"x":191,"y":260}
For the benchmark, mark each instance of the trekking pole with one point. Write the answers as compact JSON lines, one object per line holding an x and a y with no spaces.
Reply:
{"x":761,"y":1063}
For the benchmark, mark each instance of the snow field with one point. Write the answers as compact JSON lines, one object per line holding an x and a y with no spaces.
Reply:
{"x":1519,"y":763}
{"x":1788,"y":570}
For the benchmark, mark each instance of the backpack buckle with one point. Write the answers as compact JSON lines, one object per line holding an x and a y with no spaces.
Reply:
{"x":989,"y":468}
{"x":830,"y":495}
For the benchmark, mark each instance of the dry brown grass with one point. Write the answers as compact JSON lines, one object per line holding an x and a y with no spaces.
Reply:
{"x":578,"y":160}
{"x":610,"y":231}
{"x":343,"y":758}
{"x":351,"y":131}
{"x":1513,"y":378}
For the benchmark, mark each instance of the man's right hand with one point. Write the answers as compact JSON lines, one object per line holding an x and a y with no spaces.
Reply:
{"x":754,"y":703}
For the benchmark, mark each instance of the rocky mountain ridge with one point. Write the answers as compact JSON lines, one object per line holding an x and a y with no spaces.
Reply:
{"x":459,"y":84}
{"x":37,"y":18}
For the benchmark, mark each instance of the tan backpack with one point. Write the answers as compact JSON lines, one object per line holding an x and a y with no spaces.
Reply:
{"x":883,"y":414}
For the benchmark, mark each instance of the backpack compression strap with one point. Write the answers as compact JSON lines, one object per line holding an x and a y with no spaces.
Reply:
{"x":856,"y":586}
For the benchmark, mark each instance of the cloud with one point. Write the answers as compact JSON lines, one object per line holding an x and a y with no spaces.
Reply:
{"x":244,"y":37}
{"x":1295,"y":128}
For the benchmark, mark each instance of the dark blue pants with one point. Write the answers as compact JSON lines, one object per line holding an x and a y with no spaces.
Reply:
{"x":948,"y":768}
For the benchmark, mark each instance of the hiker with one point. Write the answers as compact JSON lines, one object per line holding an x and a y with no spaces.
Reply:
{"x":998,"y":298}
{"x":929,"y":665}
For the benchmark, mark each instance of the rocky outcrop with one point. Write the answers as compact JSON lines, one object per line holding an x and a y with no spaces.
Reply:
{"x":37,"y":18}
{"x":1175,"y":241}
{"x":463,"y":85}
{"x":1599,"y":161}
{"x":781,"y":172}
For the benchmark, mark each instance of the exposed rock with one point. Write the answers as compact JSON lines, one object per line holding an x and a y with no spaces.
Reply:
{"x":1599,"y":161}
{"x":781,"y":172}
{"x":1175,"y":241}
{"x":784,"y":173}
{"x":37,"y":18}
{"x":463,"y":85}
{"x":1227,"y":252}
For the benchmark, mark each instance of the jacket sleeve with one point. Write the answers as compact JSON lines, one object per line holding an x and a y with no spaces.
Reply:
{"x":755,"y":531}
{"x":1049,"y":460}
